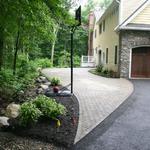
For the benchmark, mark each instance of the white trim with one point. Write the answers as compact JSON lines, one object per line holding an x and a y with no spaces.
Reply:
{"x":140,"y":46}
{"x":135,"y":13}
{"x":140,"y":78}
{"x":134,"y":28}
{"x":130,"y":63}
{"x":120,"y":13}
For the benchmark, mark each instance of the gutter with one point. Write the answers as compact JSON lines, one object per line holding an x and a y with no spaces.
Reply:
{"x":135,"y":28}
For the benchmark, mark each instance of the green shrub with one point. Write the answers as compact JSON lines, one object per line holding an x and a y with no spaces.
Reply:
{"x":49,"y":107}
{"x":55,"y":81}
{"x":99,"y":68}
{"x":29,"y":114}
{"x":43,"y":63}
{"x":64,"y":60}
{"x":9,"y":84}
{"x":26,"y":68}
{"x":105,"y":72}
{"x":76,"y":61}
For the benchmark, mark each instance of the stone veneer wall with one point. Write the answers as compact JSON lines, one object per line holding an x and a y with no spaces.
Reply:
{"x":128,"y":40}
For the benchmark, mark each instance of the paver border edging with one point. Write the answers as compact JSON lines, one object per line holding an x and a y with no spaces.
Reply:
{"x":102,"y":127}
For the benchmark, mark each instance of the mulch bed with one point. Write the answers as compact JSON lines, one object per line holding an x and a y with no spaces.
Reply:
{"x":9,"y":141}
{"x":46,"y":130}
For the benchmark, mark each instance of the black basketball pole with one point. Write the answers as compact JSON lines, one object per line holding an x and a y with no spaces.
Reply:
{"x":73,"y":28}
{"x":71,"y":58}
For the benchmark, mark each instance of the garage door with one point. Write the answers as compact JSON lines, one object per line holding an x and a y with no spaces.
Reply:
{"x":140,"y":62}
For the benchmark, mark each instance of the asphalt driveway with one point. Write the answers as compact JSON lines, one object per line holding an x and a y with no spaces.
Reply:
{"x":98,"y":96}
{"x":127,"y":128}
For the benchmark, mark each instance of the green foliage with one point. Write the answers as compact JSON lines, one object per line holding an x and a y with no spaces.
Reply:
{"x":104,"y":72}
{"x":49,"y":107}
{"x":41,"y":106}
{"x":42,"y":62}
{"x":21,"y":28}
{"x":76,"y":61}
{"x":99,"y":68}
{"x":25,"y":67}
{"x":55,"y":81}
{"x":8,"y":83}
{"x":29,"y":114}
{"x":110,"y":73}
{"x":64,"y":60}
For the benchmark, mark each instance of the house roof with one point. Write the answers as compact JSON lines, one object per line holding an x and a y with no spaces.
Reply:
{"x":134,"y":26}
{"x":124,"y":24}
{"x":111,"y":7}
{"x":98,"y":14}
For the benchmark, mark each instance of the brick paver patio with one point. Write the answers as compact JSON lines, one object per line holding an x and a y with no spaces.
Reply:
{"x":98,"y":96}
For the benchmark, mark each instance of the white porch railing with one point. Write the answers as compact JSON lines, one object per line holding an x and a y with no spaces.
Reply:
{"x":87,"y":61}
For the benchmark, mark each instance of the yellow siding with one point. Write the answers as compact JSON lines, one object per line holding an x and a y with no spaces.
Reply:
{"x":143,"y":17}
{"x":128,"y":7}
{"x":107,"y":39}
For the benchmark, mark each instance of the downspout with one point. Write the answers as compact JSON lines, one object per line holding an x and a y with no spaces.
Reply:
{"x":119,"y":34}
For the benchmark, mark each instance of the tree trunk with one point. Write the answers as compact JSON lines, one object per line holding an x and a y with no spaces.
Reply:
{"x":16,"y":52}
{"x":53,"y":45}
{"x":52,"y":52}
{"x":1,"y":48}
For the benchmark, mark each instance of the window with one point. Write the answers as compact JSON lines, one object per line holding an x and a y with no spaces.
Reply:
{"x":106,"y":55}
{"x":103,"y":25}
{"x":100,"y":28}
{"x":116,"y":54}
{"x":103,"y":58}
{"x":95,"y":33}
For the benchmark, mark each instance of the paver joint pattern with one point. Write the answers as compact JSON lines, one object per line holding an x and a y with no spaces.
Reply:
{"x":98,"y":96}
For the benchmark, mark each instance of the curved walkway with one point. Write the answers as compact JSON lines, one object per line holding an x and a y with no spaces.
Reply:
{"x":127,"y":128}
{"x":98,"y":96}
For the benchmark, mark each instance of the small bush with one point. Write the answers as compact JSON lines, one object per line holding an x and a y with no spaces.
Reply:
{"x":99,"y":68}
{"x":105,"y":72}
{"x":76,"y":61}
{"x":55,"y":81}
{"x":49,"y":107}
{"x":25,"y":68}
{"x":10,"y":84}
{"x":43,"y":63}
{"x":29,"y":114}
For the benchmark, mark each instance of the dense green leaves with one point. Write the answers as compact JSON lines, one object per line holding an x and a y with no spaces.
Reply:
{"x":25,"y":25}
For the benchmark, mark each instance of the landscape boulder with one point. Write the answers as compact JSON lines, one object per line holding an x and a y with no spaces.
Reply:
{"x":43,"y":79}
{"x":4,"y":121}
{"x":44,"y":87}
{"x":39,"y":91}
{"x":47,"y":83}
{"x":12,"y":110}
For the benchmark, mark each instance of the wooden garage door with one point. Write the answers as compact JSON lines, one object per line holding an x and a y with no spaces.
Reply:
{"x":140,"y":62}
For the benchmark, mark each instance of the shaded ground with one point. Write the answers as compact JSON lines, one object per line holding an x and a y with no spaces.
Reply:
{"x":11,"y":142}
{"x":128,"y":128}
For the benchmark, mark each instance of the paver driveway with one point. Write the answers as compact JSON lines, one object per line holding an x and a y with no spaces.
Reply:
{"x":127,"y":128}
{"x":98,"y":96}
